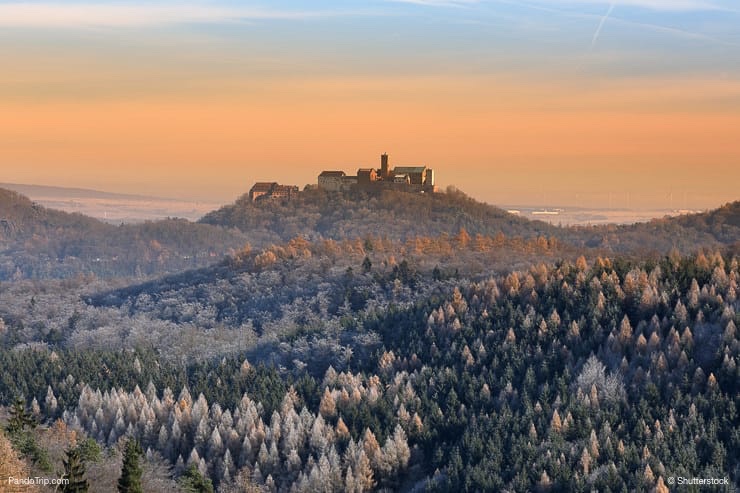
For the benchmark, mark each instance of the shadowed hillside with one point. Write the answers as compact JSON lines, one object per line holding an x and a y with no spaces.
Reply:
{"x":723,"y":223}
{"x":36,"y":242}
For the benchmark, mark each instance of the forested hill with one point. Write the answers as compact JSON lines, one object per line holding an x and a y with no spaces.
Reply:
{"x":37,"y":242}
{"x":400,"y":216}
{"x":610,"y":376}
{"x":20,"y":216}
{"x":723,"y":223}
{"x":389,"y":214}
{"x":450,"y":362}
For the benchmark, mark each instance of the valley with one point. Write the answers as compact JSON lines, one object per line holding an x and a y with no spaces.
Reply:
{"x":387,"y":342}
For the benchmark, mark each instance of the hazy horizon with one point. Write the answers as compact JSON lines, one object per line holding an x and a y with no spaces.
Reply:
{"x":548,"y":102}
{"x":122,"y":208}
{"x":616,"y":202}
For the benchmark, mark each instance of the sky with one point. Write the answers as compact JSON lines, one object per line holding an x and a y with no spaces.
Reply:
{"x":631,"y":103}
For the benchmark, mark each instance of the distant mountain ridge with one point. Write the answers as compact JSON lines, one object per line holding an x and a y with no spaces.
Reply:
{"x":66,"y":192}
{"x":114,"y":208}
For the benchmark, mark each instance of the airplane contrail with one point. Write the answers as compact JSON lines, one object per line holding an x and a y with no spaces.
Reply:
{"x":601,"y":25}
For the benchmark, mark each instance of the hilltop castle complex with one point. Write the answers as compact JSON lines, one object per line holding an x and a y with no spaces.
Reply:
{"x":404,"y":178}
{"x":419,"y":179}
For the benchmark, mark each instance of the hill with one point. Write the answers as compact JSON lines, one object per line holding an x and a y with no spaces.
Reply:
{"x":563,"y":378}
{"x":723,"y":223}
{"x":64,"y":192}
{"x":37,"y":242}
{"x":489,"y":361}
{"x":114,"y":208}
{"x":686,"y":233}
{"x":400,"y":216}
{"x":395,"y":215}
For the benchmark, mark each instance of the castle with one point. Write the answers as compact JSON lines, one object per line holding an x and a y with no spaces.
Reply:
{"x":272,"y":190}
{"x":404,"y":178}
{"x":418,"y":179}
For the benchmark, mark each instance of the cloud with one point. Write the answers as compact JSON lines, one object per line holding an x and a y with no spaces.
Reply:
{"x":677,"y":5}
{"x":674,"y":31}
{"x":564,"y":8}
{"x":90,"y":14}
{"x":666,"y":5}
{"x":673,"y":5}
{"x":439,"y":3}
{"x":601,"y":25}
{"x":121,"y":15}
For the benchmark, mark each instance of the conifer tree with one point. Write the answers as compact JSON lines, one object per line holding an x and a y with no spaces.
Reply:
{"x":327,"y":407}
{"x":364,"y":472}
{"x":130,"y":481}
{"x":193,"y":481}
{"x":20,"y":418}
{"x":74,"y":473}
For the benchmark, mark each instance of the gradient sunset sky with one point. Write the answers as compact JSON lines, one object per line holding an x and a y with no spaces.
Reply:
{"x":583,"y":102}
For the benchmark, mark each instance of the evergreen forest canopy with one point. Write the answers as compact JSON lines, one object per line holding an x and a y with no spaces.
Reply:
{"x":437,"y":344}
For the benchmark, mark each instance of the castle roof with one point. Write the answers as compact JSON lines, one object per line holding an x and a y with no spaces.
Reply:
{"x":332,"y":173}
{"x":263,"y":186}
{"x":409,"y":169}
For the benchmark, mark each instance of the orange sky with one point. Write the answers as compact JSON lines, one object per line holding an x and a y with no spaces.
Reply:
{"x":493,"y":139}
{"x":528,"y":114}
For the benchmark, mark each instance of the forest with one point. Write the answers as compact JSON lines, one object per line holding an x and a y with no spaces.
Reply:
{"x":470,"y":351}
{"x":41,"y":243}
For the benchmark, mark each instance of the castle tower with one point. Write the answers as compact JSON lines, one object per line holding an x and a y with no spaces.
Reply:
{"x":384,"y":166}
